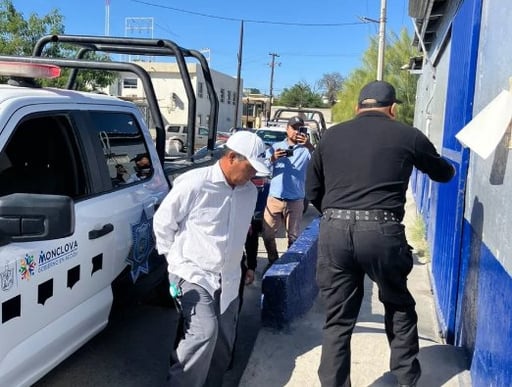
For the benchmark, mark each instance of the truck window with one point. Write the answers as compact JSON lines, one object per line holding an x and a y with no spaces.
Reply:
{"x":42,"y":157}
{"x":125,"y":152}
{"x":173,"y":129}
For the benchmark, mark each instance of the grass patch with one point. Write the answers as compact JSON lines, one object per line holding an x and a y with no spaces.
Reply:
{"x":417,"y":239}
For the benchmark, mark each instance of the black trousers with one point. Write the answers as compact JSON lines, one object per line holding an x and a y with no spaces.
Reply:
{"x":347,"y":250}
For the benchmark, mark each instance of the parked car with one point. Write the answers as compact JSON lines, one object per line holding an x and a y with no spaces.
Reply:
{"x":271,"y":135}
{"x":176,"y":138}
{"x":223,"y":136}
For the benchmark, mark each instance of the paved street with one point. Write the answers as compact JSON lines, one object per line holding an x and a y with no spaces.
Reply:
{"x":134,"y":348}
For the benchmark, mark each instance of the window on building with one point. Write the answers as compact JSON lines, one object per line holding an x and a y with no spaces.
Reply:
{"x":229,"y":97}
{"x":222,"y":92}
{"x":200,"y":89}
{"x":234,"y":97}
{"x":130,"y":83}
{"x":199,"y":119}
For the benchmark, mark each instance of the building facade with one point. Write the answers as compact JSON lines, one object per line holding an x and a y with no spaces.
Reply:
{"x":467,"y":55}
{"x":172,"y":97}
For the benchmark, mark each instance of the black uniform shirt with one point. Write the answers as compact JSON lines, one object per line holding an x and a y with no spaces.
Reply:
{"x":366,"y":163}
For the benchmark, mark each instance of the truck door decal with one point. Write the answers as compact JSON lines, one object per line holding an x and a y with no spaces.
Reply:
{"x":97,"y":263}
{"x":44,"y":291}
{"x":11,"y":308}
{"x":7,"y":277}
{"x":27,"y":267}
{"x":57,"y":255}
{"x":143,"y":244}
{"x":73,"y":276}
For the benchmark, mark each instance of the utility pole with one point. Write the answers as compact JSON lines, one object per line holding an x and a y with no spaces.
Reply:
{"x":382,"y":40}
{"x":238,"y":77}
{"x":107,"y":17}
{"x":272,"y":65}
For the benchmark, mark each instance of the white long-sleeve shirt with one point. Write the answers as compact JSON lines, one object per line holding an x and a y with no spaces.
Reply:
{"x":201,"y":227}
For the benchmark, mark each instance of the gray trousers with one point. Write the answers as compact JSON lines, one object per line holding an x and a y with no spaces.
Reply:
{"x":203,"y":354}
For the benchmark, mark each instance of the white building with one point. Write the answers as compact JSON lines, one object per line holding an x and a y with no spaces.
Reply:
{"x":171,"y":95}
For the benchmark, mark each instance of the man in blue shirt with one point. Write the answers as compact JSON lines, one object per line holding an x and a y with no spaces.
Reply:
{"x":288,"y":160}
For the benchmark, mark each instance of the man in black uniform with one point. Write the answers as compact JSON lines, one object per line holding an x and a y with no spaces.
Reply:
{"x":358,"y":178}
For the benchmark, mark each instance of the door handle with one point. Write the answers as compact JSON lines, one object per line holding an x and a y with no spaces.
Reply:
{"x":93,"y":234}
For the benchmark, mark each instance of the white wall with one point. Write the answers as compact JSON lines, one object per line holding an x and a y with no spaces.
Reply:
{"x":167,"y":80}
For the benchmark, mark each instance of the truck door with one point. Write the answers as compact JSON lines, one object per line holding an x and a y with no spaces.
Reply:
{"x":55,"y":294}
{"x":131,"y":186}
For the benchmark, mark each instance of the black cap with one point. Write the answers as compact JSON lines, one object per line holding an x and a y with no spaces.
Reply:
{"x":377,"y":94}
{"x":296,"y":121}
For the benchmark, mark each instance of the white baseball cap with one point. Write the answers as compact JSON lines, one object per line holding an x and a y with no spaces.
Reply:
{"x":251,"y":147}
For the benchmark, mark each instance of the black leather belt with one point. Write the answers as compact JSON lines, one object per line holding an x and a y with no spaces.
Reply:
{"x":362,"y":215}
{"x":285,"y":200}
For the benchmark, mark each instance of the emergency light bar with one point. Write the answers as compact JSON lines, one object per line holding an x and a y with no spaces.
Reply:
{"x":29,"y":70}
{"x":259,"y":181}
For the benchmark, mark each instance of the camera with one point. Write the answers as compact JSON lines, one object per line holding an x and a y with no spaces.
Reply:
{"x":303,"y":130}
{"x":288,"y":152}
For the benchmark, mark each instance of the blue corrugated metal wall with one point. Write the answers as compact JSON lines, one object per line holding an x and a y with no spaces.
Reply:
{"x":447,"y":209}
{"x":483,"y":321}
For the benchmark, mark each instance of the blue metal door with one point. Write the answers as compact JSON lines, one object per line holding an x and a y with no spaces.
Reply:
{"x":447,"y":201}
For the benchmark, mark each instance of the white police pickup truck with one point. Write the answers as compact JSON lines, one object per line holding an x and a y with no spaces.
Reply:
{"x":80,"y":180}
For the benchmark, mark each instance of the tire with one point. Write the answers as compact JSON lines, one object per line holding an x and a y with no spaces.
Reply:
{"x":174,"y":146}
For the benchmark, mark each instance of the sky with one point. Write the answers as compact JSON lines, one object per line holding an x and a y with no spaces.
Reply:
{"x":311,"y":38}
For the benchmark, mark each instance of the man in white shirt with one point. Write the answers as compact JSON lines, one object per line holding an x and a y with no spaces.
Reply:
{"x":201,"y":227}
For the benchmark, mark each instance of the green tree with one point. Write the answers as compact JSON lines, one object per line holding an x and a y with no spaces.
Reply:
{"x":300,"y":95}
{"x":330,"y":85}
{"x":398,"y":51}
{"x":19,"y":35}
{"x":251,"y":91}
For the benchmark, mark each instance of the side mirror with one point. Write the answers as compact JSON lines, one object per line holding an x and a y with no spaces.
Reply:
{"x":34,"y":217}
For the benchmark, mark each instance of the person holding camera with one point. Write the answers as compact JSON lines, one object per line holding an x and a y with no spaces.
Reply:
{"x":288,"y":160}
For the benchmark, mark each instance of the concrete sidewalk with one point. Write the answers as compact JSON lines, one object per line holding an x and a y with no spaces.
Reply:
{"x":291,"y":358}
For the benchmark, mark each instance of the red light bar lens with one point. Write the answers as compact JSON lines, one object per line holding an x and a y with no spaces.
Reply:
{"x":259,"y":181}
{"x":29,"y":70}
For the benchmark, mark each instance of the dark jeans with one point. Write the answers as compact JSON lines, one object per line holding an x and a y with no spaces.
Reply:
{"x":347,"y":250}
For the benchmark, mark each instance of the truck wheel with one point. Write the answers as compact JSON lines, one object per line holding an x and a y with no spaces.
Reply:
{"x":177,"y":145}
{"x":174,"y":146}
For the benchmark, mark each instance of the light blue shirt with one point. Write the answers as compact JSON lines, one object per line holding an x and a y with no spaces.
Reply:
{"x":289,"y":173}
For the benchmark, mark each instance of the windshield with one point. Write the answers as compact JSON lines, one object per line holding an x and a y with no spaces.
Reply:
{"x":271,"y":136}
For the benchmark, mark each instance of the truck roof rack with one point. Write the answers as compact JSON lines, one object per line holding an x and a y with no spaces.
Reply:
{"x":98,"y":65}
{"x":148,"y":47}
{"x":309,"y":114}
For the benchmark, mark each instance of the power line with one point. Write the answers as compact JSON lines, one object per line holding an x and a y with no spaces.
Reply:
{"x":319,"y":55}
{"x":166,"y":29}
{"x":248,"y":20}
